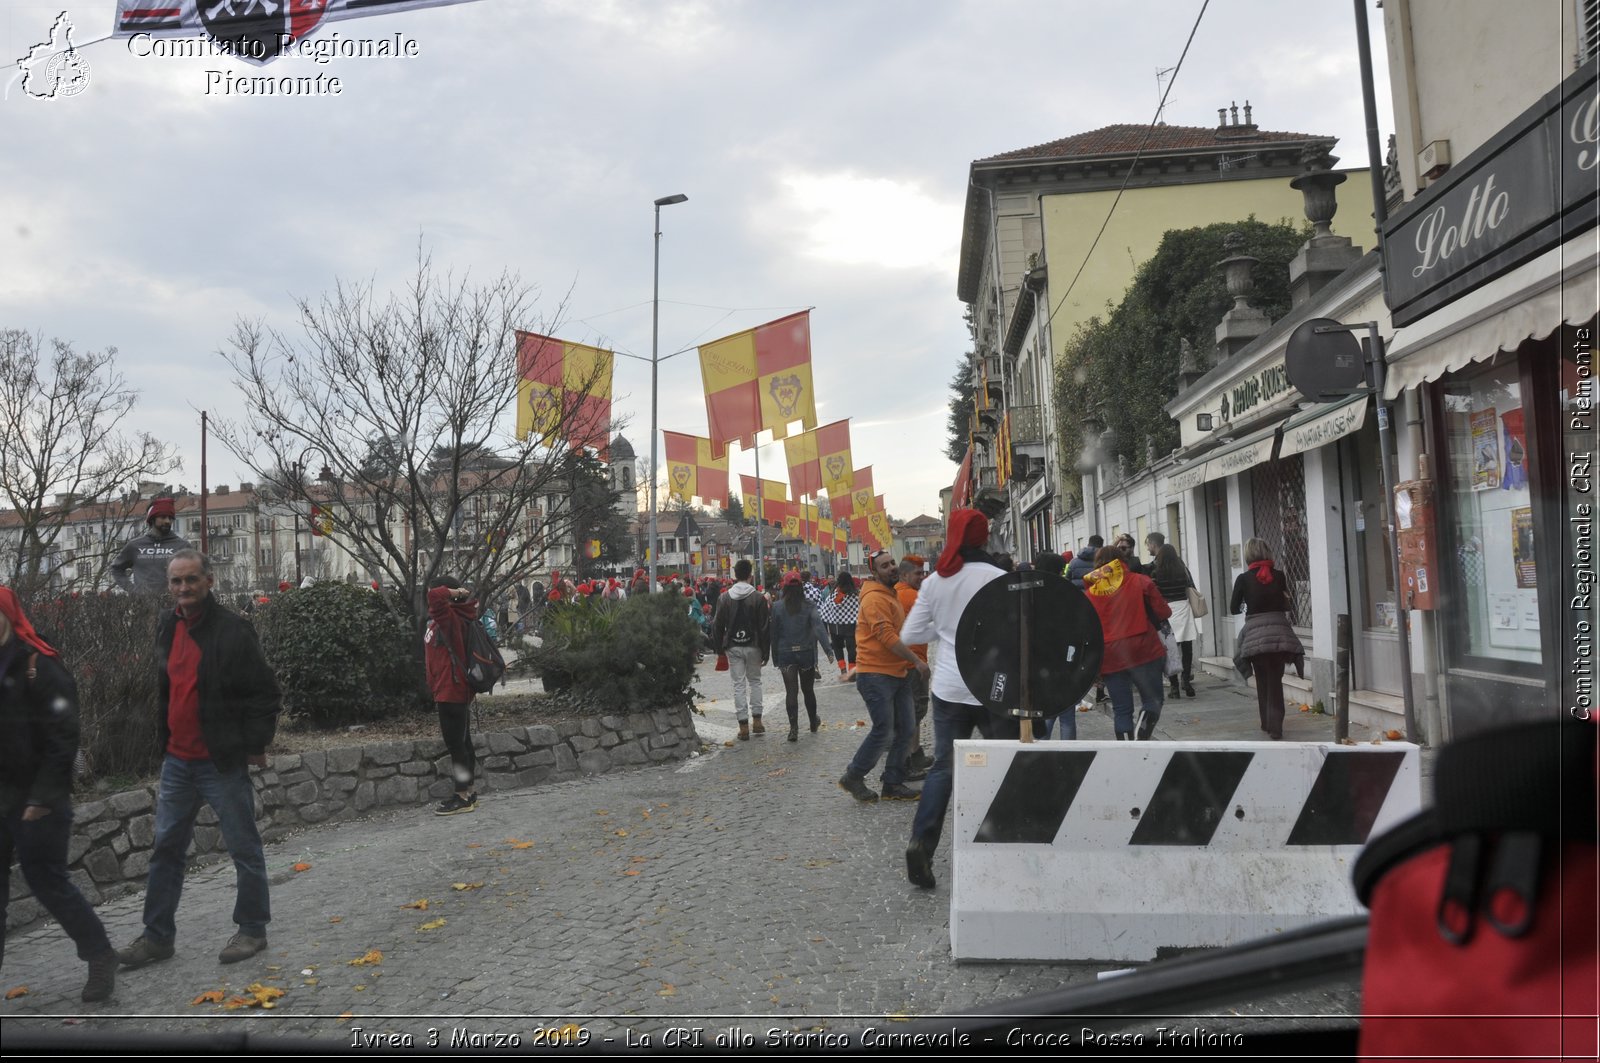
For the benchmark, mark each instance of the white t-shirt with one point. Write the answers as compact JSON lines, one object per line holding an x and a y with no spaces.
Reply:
{"x":934,"y":618}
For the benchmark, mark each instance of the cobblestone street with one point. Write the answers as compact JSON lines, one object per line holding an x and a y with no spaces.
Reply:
{"x":741,"y":883}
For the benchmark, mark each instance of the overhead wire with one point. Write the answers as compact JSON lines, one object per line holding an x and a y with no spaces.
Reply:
{"x":1132,"y":165}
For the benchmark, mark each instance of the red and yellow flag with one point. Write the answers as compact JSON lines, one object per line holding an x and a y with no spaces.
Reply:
{"x":876,"y":531}
{"x":1002,"y":449}
{"x":594,"y":548}
{"x":858,"y":503}
{"x":564,"y":390}
{"x":693,"y":471}
{"x":833,"y":458}
{"x":759,"y":379}
{"x":805,"y":476}
{"x":768,"y":493}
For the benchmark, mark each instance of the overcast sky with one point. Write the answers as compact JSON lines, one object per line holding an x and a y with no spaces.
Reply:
{"x":824,"y":146}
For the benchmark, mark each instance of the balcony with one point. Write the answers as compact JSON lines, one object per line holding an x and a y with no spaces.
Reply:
{"x":1027,"y":426}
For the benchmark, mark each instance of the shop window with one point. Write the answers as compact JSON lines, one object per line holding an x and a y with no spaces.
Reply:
{"x":1278,"y":501}
{"x":1491,"y":516}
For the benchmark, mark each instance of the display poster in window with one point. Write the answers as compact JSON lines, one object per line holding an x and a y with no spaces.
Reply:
{"x":1522,"y":547}
{"x":1485,"y":450}
{"x":1515,"y":476}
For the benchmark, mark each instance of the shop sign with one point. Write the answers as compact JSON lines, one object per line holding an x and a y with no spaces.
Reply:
{"x":1527,"y":190}
{"x":1035,"y":495}
{"x":1255,"y":390}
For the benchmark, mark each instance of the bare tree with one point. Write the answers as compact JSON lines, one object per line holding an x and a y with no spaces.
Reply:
{"x":394,"y":416}
{"x":61,"y":447}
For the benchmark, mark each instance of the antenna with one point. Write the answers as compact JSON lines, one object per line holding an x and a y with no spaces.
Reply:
{"x":1161,"y":100}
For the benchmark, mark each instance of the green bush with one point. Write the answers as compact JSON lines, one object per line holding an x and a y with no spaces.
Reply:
{"x":107,"y":642}
{"x":340,"y":656}
{"x":628,"y":656}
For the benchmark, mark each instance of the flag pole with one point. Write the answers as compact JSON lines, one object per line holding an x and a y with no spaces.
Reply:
{"x":761,"y":513}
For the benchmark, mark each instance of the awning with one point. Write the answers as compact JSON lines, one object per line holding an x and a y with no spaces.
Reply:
{"x":1227,"y":461}
{"x":1529,"y":302}
{"x":1324,"y":424}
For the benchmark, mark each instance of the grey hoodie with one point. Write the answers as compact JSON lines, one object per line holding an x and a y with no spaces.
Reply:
{"x":141,"y":567}
{"x":741,"y":608}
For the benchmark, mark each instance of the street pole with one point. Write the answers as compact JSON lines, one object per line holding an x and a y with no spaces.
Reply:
{"x":655,"y":368}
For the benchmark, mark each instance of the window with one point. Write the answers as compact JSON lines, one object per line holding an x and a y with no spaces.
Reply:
{"x":238,"y":520}
{"x":1491,"y":516}
{"x":1278,"y":497}
{"x":1588,"y":12}
{"x":266,"y":557}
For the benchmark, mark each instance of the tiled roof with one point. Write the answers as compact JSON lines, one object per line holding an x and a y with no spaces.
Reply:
{"x":1126,"y":139}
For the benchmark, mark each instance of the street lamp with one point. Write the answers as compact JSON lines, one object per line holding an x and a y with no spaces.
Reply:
{"x":326,"y":475}
{"x":655,"y":362}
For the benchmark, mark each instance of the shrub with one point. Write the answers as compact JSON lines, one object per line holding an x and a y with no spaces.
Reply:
{"x":107,"y":642}
{"x":340,"y":656}
{"x":633,"y":655}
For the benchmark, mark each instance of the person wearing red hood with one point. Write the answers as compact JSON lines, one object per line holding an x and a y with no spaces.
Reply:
{"x":38,"y":742}
{"x":1129,"y":606}
{"x":450,"y":608}
{"x":960,"y":573}
{"x":141,"y":567}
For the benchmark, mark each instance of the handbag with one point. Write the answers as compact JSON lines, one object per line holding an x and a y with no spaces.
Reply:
{"x":1481,"y":939}
{"x":1197,"y":602}
{"x":722,"y":662}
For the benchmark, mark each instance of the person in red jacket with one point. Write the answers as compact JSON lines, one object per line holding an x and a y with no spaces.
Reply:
{"x":450,"y":607}
{"x":1129,"y":607}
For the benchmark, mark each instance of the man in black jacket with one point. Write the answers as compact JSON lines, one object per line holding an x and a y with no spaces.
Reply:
{"x":38,"y":741}
{"x":219,"y":708}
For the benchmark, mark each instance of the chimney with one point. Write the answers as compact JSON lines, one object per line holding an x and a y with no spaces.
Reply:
{"x":222,"y":489}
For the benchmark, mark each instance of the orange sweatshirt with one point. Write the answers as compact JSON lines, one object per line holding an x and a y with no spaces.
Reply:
{"x":878,"y":631}
{"x":908,"y":598}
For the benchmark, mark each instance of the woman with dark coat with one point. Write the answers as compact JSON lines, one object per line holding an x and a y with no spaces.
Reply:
{"x":38,"y":743}
{"x":1173,"y":581}
{"x":450,"y":607}
{"x":797,"y":630}
{"x":1267,"y":642}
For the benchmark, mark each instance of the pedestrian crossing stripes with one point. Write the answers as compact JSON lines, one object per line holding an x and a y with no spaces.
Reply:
{"x":1191,"y":795}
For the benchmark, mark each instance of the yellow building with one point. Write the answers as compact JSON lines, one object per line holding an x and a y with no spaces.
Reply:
{"x":1043,"y":250}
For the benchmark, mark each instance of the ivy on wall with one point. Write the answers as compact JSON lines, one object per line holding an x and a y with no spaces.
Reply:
{"x":1122,"y":368}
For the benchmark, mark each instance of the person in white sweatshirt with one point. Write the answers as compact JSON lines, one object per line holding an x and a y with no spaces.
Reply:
{"x":963,"y":569}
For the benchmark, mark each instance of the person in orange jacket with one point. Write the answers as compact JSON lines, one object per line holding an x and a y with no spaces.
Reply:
{"x":910,"y":582}
{"x":882,"y":666}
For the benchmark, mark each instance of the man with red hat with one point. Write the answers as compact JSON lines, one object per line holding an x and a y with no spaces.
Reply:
{"x":141,"y":567}
{"x":962,"y":570}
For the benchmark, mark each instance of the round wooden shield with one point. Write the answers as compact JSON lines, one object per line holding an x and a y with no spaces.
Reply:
{"x":1065,"y":644}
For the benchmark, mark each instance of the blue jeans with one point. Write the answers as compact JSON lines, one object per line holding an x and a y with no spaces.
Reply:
{"x":1067,"y":723}
{"x":184,"y":785}
{"x":1150,"y":680}
{"x":951,"y":721}
{"x":40,"y":846}
{"x":894,"y":723}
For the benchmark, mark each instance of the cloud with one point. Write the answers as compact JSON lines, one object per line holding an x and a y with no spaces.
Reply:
{"x":854,"y":220}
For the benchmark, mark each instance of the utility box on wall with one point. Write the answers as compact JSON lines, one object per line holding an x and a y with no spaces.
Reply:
{"x":1414,"y":513}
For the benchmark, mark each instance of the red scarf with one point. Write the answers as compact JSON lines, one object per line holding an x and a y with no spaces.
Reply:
{"x":1262,"y":569}
{"x":20,"y":624}
{"x":968,"y":527}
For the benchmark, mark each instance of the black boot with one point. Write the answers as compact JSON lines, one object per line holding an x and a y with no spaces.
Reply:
{"x":1188,"y":685}
{"x":1172,"y":682}
{"x":816,"y":721}
{"x":794,"y":725}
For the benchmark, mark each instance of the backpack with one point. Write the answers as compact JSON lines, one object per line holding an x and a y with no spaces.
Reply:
{"x":484,"y":665}
{"x":741,"y":624}
{"x":1482,"y":938}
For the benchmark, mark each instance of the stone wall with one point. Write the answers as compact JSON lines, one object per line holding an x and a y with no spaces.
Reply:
{"x":109,"y":853}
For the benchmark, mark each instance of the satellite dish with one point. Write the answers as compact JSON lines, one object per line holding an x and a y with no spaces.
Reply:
{"x":1325,"y":366}
{"x":1064,"y":645}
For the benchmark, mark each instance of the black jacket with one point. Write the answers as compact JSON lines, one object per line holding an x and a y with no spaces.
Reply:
{"x":38,"y":733}
{"x":239,"y":696}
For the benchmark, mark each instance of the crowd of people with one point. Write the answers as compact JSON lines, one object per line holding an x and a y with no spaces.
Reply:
{"x":219,"y":700}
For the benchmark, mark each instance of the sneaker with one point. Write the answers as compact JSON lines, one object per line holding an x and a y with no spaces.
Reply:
{"x":857,"y":788}
{"x":899,"y":791}
{"x":919,"y":869}
{"x":143,"y":950}
{"x":102,"y":978}
{"x":920,"y":761}
{"x":241,"y":946}
{"x":455,"y":804}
